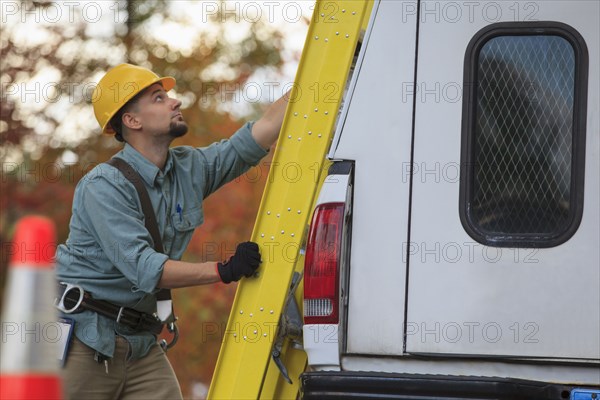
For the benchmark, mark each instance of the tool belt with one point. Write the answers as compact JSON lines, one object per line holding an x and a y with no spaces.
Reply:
{"x":73,"y":299}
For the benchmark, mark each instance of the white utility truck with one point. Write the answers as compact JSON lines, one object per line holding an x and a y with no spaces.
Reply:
{"x":454,"y":251}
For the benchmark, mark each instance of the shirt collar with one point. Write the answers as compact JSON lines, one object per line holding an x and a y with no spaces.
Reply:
{"x":147,"y":170}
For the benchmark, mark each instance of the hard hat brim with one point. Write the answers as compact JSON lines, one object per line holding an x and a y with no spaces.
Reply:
{"x":167,"y":82}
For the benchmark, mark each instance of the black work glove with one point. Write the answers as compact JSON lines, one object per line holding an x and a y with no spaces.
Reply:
{"x":244,"y":262}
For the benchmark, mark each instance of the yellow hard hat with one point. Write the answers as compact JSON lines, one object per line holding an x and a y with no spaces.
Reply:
{"x":118,"y":86}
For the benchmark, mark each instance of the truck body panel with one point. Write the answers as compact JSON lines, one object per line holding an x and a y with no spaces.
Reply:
{"x":461,"y":265}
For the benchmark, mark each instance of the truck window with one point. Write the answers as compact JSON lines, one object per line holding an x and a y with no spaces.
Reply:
{"x":524,"y":109}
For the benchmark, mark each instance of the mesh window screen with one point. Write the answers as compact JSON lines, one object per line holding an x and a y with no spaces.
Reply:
{"x":522,"y":133}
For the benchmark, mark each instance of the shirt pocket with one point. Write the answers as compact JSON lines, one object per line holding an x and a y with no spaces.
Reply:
{"x":187,"y":220}
{"x":184,"y":224}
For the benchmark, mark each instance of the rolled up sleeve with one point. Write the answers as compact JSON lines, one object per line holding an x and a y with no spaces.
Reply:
{"x":114,"y":216}
{"x":150,"y":265}
{"x":224,"y":161}
{"x":245,"y":145}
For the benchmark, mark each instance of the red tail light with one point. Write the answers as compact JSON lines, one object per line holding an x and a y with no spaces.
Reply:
{"x":321,"y":266}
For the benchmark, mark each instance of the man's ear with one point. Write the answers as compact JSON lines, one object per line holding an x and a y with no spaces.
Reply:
{"x":131,"y":121}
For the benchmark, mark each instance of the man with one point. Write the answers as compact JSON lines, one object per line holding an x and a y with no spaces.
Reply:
{"x":111,"y":254}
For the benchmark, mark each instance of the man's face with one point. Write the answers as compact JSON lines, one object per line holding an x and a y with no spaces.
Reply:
{"x":159,"y":113}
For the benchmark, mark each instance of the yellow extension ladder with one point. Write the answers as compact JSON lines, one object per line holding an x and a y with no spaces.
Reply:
{"x":257,"y":350}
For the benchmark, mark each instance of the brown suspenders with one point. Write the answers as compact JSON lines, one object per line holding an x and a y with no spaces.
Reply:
{"x":150,"y":218}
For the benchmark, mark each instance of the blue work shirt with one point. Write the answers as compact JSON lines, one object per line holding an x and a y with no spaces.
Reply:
{"x":109,"y":251}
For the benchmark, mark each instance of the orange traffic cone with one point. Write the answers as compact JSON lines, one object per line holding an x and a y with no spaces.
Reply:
{"x":30,"y":332}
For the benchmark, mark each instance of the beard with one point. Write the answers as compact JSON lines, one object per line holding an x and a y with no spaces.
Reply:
{"x":177,"y":129}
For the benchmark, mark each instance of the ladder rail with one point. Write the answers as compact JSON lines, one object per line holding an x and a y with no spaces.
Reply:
{"x":245,"y":368}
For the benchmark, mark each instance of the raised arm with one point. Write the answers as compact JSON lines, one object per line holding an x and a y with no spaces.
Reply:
{"x":266,"y":130}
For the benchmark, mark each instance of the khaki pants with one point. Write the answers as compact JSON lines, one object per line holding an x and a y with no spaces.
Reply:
{"x":151,"y":377}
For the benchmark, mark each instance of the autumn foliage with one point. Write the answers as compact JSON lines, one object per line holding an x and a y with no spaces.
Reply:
{"x":47,"y":147}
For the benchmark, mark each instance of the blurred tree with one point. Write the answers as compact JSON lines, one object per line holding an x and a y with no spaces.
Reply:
{"x":49,"y":137}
